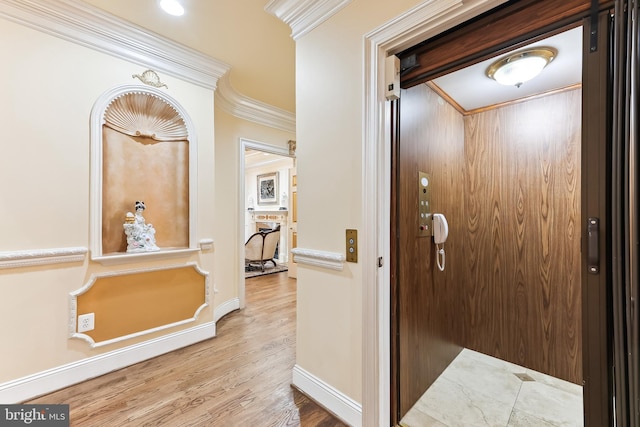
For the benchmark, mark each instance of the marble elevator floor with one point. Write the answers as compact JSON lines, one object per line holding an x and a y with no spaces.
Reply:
{"x":478,"y":390}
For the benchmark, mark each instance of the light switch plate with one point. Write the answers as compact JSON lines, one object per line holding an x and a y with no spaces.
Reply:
{"x":352,"y":245}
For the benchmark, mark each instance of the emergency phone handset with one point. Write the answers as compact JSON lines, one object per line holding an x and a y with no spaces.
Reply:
{"x":440,"y":234}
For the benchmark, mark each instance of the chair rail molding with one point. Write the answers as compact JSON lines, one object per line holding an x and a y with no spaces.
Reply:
{"x":206,"y":244}
{"x":86,"y":25}
{"x":251,"y":109}
{"x":27,"y":258}
{"x":304,"y":15}
{"x":330,"y":260}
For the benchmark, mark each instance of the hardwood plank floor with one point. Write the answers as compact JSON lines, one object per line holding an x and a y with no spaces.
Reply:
{"x":240,"y":378}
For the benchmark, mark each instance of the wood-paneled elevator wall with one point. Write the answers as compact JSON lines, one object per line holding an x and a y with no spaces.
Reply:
{"x":517,"y":248}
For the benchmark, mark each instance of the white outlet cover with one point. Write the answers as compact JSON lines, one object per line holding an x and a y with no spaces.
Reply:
{"x":86,"y":322}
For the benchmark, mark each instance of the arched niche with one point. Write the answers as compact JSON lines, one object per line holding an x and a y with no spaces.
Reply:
{"x":143,"y":147}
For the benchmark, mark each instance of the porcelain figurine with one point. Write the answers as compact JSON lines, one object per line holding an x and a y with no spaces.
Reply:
{"x":141,"y":237}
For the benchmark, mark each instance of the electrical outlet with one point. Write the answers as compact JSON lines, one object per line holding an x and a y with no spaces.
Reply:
{"x":86,"y":322}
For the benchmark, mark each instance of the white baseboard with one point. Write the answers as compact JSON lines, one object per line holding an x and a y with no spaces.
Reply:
{"x":44,"y":382}
{"x":341,"y":405}
{"x":225,"y":308}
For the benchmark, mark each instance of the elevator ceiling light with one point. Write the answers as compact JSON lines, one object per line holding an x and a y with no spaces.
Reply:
{"x":172,"y":7}
{"x":520,"y":67}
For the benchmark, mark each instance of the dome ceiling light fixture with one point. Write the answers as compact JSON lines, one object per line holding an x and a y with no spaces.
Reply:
{"x":520,"y":67}
{"x":172,"y":7}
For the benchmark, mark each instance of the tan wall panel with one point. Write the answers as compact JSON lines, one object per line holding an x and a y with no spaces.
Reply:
{"x":156,"y":172}
{"x":130,"y":303}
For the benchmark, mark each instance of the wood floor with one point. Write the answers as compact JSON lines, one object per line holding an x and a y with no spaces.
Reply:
{"x":240,"y":378}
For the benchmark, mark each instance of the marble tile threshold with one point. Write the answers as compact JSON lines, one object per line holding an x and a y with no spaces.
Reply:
{"x":456,"y":400}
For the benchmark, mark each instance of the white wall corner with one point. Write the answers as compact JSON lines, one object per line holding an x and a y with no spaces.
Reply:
{"x":48,"y":381}
{"x":336,"y":402}
{"x":225,"y":308}
{"x":304,"y":15}
{"x":252,"y":110}
{"x":89,"y":26}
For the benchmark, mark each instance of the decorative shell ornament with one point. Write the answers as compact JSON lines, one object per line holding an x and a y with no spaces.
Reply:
{"x":143,"y":114}
{"x":150,"y":78}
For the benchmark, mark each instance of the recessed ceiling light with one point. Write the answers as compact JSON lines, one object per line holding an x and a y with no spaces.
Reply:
{"x":172,"y":7}
{"x":520,"y":67}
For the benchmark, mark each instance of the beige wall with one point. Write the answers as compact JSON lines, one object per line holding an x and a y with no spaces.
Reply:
{"x":48,"y":89}
{"x":330,"y":97}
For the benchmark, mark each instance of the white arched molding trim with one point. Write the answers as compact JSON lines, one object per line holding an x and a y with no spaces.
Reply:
{"x":252,"y":110}
{"x":89,"y":26}
{"x":424,"y":21}
{"x":304,"y":15}
{"x":98,"y":119}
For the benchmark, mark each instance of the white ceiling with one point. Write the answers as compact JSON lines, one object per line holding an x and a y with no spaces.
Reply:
{"x":471,"y":89}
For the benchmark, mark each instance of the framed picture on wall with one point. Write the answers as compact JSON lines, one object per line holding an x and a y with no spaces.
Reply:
{"x":268,"y":188}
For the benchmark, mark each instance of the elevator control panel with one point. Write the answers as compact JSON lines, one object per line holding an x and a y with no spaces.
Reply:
{"x":424,"y":205}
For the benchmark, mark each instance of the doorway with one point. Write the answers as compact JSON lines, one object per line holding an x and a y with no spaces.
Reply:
{"x":504,"y":169}
{"x":264,"y":201}
{"x":508,"y":178}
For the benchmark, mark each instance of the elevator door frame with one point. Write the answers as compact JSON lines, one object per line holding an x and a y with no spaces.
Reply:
{"x":596,"y":304}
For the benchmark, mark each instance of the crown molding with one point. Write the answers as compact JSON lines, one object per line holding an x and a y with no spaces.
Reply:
{"x":304,"y":15}
{"x":91,"y":27}
{"x":250,"y":109}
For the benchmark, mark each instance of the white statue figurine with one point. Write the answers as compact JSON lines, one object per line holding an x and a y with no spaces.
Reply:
{"x":141,"y":237}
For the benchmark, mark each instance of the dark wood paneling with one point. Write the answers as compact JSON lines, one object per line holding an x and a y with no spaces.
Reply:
{"x":509,"y":25}
{"x":430,"y":305}
{"x":522,"y":199}
{"x":508,"y":181}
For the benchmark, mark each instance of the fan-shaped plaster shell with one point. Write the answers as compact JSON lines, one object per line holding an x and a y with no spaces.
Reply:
{"x":142,"y":114}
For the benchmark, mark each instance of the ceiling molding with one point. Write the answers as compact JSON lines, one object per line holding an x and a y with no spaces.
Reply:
{"x":304,"y":15}
{"x":251,"y":109}
{"x":91,"y":27}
